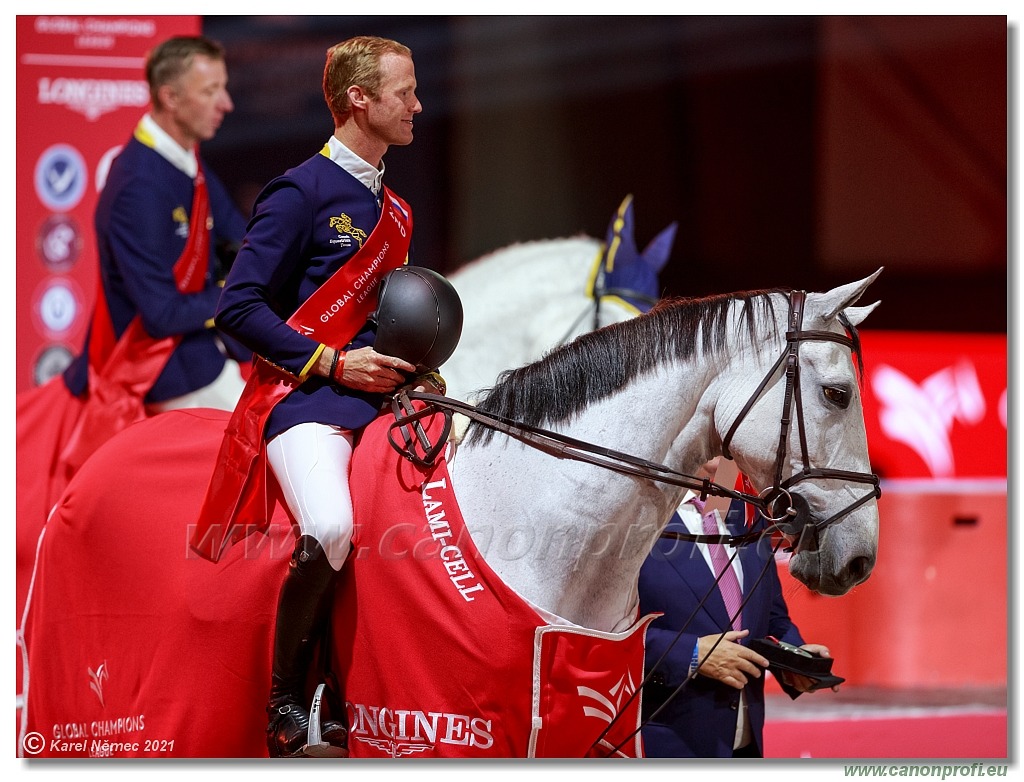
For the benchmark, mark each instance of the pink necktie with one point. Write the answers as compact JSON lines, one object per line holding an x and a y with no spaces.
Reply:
{"x":729,"y":585}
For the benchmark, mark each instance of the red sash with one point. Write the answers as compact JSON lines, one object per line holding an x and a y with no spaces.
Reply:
{"x":121,"y":373}
{"x":236,"y":499}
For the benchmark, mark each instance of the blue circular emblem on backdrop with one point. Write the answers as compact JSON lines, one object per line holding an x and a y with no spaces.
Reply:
{"x":60,"y":177}
{"x":58,"y":307}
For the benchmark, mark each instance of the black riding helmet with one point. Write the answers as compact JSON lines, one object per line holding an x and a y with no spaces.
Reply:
{"x":418,"y":317}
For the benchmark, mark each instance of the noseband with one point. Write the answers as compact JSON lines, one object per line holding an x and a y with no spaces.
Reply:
{"x":776,"y":500}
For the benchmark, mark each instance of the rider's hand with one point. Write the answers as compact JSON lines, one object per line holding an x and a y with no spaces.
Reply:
{"x":364,"y":369}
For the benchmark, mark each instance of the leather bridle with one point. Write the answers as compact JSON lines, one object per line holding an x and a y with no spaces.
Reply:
{"x":777,"y":500}
{"x":788,"y":362}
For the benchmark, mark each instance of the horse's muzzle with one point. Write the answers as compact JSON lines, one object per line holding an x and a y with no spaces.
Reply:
{"x":811,"y":553}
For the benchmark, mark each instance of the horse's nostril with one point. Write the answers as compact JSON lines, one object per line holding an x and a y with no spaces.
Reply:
{"x":858,"y":569}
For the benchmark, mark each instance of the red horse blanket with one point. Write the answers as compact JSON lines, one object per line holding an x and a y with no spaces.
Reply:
{"x":442,"y":658}
{"x":45,"y":417}
{"x":139,"y":647}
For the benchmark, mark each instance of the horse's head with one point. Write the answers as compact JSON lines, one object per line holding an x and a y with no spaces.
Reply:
{"x":800,"y":438}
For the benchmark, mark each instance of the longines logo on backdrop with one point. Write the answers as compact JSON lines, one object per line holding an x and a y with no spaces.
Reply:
{"x":92,"y":98}
{"x":922,"y":416}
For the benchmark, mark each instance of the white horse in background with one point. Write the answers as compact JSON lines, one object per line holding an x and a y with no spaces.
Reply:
{"x":522,"y":300}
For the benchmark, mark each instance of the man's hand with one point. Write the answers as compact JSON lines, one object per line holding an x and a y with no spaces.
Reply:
{"x":730,"y":662}
{"x":365,"y":369}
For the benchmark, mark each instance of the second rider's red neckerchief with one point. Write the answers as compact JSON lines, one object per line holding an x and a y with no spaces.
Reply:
{"x":236,"y":499}
{"x":123,"y":370}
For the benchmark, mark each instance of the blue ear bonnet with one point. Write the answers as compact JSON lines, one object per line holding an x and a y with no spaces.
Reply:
{"x":621,"y":271}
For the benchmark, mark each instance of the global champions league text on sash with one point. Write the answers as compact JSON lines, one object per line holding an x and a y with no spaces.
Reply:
{"x":367,"y":276}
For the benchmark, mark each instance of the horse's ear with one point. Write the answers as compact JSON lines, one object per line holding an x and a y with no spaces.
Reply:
{"x":621,"y":229}
{"x":844,"y":296}
{"x":657,"y":253}
{"x":856,"y":315}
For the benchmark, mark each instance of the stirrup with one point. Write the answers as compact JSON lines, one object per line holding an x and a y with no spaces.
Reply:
{"x":315,"y":746}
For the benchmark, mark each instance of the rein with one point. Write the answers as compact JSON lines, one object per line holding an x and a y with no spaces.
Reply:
{"x":620,"y":293}
{"x":598,"y":291}
{"x":598,"y":296}
{"x":561,"y":446}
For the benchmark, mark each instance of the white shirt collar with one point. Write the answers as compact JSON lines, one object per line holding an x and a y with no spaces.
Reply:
{"x":372,"y":177}
{"x":694,"y":523}
{"x":689,"y":514}
{"x":152,"y":135}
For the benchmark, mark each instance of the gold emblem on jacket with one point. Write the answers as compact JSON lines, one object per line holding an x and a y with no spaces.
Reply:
{"x":343,"y":225}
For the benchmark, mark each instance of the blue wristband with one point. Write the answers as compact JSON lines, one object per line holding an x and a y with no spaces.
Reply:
{"x":695,"y":660}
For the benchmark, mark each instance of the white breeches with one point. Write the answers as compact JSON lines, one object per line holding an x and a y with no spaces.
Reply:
{"x":310,"y":462}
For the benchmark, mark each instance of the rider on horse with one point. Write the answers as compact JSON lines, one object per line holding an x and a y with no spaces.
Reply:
{"x":322,"y":238}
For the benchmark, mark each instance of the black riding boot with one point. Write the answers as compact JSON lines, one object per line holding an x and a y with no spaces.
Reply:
{"x":302,"y":611}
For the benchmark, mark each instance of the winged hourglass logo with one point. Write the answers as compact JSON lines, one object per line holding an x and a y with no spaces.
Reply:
{"x":608,"y":703}
{"x":96,"y":679}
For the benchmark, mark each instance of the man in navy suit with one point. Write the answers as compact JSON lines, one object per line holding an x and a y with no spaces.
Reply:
{"x":720,"y":712}
{"x":144,"y":224}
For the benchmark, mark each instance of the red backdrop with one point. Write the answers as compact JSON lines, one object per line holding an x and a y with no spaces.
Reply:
{"x":935,"y":404}
{"x":934,"y":612}
{"x":80,"y":90}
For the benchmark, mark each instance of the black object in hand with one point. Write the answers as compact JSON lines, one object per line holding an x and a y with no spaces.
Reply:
{"x":784,"y":657}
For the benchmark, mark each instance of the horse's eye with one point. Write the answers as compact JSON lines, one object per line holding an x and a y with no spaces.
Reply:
{"x":840,"y":397}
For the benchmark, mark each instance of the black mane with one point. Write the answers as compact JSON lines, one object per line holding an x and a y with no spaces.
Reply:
{"x":595,"y":365}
